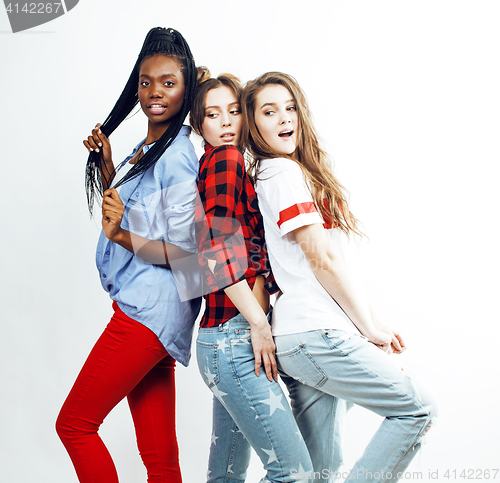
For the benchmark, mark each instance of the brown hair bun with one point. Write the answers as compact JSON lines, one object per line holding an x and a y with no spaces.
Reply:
{"x":202,"y":74}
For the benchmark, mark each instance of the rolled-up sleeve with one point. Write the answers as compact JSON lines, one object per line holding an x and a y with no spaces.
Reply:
{"x":180,"y":215}
{"x":178,"y":200}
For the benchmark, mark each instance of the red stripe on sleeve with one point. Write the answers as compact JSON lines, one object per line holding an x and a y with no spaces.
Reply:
{"x":296,"y":210}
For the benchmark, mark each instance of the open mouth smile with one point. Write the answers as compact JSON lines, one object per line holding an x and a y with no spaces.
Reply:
{"x":286,"y":134}
{"x":157,"y":108}
{"x":228,"y":136}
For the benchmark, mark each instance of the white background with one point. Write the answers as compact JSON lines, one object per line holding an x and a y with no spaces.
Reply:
{"x":406,"y":98}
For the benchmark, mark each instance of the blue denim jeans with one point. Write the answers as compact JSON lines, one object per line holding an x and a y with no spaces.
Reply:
{"x":249,"y":411}
{"x":328,"y":370}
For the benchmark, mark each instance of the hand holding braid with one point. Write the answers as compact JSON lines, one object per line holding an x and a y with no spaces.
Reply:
{"x":159,"y":40}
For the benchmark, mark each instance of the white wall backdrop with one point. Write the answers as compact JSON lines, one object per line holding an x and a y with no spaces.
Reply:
{"x":406,"y":98}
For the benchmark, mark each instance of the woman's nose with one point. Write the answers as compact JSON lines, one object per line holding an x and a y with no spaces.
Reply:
{"x":155,"y":91}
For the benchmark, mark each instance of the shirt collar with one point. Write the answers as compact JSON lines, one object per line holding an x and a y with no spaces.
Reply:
{"x":138,"y":146}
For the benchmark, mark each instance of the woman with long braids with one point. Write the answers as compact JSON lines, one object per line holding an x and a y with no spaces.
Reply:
{"x":330,"y":347}
{"x":147,"y":225}
{"x":234,"y":341}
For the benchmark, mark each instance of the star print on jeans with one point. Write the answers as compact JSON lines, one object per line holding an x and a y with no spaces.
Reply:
{"x":210,"y":377}
{"x":274,"y":402}
{"x":213,"y":439}
{"x":271,"y":453}
{"x":218,"y":393}
{"x":221,"y":344}
{"x":300,"y":474}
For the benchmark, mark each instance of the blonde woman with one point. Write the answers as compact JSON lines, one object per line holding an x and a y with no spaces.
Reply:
{"x":330,"y":348}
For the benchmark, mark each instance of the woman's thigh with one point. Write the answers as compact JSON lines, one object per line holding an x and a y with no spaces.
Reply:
{"x":229,"y":449}
{"x":122,"y":356}
{"x":350,"y":367}
{"x":152,"y":405}
{"x":258,"y":406}
{"x":345,"y":366}
{"x":321,"y":419}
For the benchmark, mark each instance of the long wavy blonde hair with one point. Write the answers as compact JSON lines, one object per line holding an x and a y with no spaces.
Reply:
{"x":327,"y":192}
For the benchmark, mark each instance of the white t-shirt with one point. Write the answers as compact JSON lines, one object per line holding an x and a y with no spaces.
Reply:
{"x":286,"y":204}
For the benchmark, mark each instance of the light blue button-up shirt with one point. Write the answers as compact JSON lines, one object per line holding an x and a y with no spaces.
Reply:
{"x":159,"y":205}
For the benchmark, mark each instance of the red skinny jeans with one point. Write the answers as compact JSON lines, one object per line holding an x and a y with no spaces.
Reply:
{"x":127,"y":360}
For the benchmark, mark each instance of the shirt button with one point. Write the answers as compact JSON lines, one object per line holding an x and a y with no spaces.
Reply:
{"x":103,"y":275}
{"x":137,"y":194}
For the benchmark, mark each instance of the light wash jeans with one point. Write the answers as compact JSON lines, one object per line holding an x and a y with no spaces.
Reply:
{"x":248,"y":411}
{"x":328,"y":370}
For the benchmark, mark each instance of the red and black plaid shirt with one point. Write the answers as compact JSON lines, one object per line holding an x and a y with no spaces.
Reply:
{"x":230,"y":231}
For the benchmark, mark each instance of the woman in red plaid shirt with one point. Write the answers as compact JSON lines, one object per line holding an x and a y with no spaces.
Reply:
{"x":234,"y":340}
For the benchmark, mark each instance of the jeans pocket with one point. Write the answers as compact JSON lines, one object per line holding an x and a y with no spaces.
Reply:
{"x":242,"y":355}
{"x":341,"y":340}
{"x":240,"y":337}
{"x":207,"y":356}
{"x":302,"y":366}
{"x":242,"y":333}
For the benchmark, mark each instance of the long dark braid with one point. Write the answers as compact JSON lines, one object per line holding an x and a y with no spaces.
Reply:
{"x":158,"y":41}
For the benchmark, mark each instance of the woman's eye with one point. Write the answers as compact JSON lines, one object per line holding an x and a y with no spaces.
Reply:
{"x":291,"y":108}
{"x":268,"y":113}
{"x":143,"y":83}
{"x":212,"y":115}
{"x":234,"y":112}
{"x":169,"y":84}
